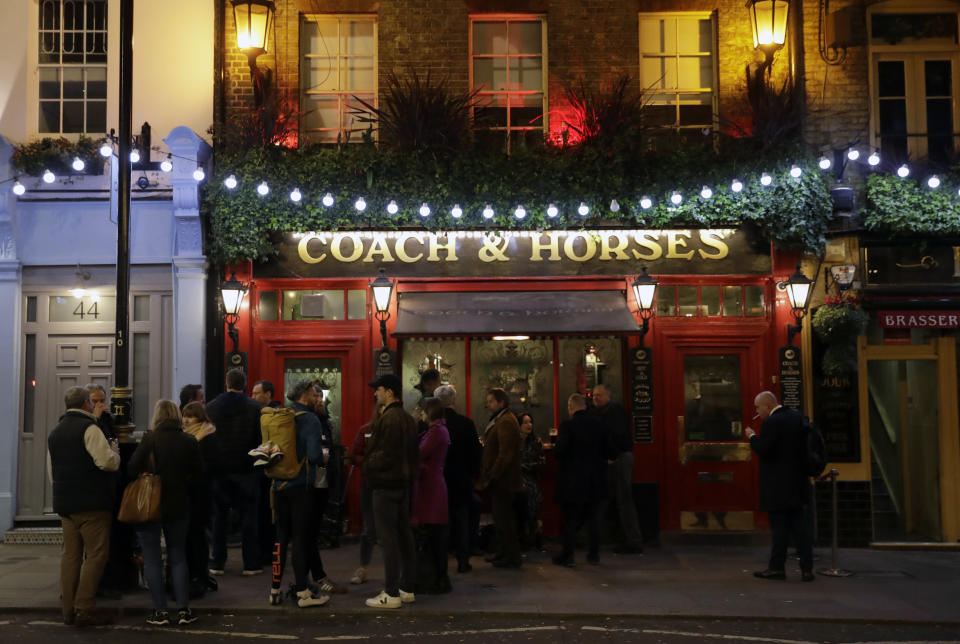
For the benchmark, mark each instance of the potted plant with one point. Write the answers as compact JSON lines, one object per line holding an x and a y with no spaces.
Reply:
{"x":838,"y":324}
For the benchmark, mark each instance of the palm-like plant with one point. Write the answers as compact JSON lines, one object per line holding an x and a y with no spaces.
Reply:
{"x":610,"y":116}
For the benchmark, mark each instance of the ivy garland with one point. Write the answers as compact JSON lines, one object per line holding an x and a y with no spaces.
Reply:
{"x":791,"y":211}
{"x":907,"y":207}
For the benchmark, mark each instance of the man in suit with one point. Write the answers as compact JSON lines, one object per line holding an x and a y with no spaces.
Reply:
{"x":783,"y":483}
{"x":500,"y":471}
{"x":580,"y":451}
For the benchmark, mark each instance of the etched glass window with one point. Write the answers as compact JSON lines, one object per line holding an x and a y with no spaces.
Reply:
{"x":522,"y":368}
{"x":446,"y":356}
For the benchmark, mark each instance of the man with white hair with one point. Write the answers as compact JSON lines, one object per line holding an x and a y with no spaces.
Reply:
{"x":783,"y":483}
{"x":460,"y":472}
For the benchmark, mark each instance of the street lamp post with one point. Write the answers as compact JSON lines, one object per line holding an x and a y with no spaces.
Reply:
{"x":798,"y":287}
{"x":232,"y":292}
{"x":383,"y":358}
{"x":254,"y":22}
{"x":644,"y":289}
{"x":768,"y":20}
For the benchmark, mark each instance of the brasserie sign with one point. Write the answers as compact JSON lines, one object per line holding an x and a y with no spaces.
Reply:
{"x":512,"y":253}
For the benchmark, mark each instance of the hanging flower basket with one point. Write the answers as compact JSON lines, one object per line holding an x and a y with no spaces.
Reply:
{"x":838,"y":324}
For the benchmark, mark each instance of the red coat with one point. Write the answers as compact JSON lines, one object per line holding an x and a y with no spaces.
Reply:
{"x":430,"y":488}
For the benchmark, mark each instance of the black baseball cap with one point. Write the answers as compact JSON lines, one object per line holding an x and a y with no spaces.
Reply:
{"x":389,"y":381}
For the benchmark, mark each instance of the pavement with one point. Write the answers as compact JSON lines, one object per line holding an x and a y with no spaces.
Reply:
{"x":673,"y":580}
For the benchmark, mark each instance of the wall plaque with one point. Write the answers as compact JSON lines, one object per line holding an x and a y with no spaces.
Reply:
{"x":791,"y":378}
{"x":643,"y":429}
{"x":641,"y":365}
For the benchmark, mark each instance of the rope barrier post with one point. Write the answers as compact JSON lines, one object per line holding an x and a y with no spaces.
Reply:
{"x":833,"y":571}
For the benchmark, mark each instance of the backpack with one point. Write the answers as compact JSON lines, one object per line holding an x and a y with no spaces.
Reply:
{"x":815,"y":450}
{"x":279,"y":427}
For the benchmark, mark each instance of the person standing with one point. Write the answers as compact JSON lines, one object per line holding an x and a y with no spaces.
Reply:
{"x":197,"y":424}
{"x":500,"y":472}
{"x":237,"y":419}
{"x":263,"y":393}
{"x":81,"y":464}
{"x":191,"y":393}
{"x":430,"y":509}
{"x":389,"y":467}
{"x":783,"y":483}
{"x":460,"y":473}
{"x":580,"y":452}
{"x":616,"y":425}
{"x":368,"y":533}
{"x":175,"y":456}
{"x":530,"y":498}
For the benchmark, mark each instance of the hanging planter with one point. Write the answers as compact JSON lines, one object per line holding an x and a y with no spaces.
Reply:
{"x":838,"y":324}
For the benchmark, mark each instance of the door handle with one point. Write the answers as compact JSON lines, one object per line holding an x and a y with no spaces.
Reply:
{"x":682,"y":428}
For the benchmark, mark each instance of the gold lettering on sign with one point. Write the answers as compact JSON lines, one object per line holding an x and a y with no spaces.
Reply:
{"x":450,"y":246}
{"x":607,"y":249}
{"x":379,"y":247}
{"x":492,"y":251}
{"x":589,"y":247}
{"x":304,"y":252}
{"x":400,"y":248}
{"x":337,"y":251}
{"x":537,"y":247}
{"x":713,"y":239}
{"x":651,"y":241}
{"x":675,"y":240}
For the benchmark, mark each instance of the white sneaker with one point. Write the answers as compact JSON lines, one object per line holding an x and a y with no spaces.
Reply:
{"x":407,"y":598}
{"x":276,"y":596}
{"x":359,"y":576}
{"x":383,"y":600}
{"x":306,"y":598}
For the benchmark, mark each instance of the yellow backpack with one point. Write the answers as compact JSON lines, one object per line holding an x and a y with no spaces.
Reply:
{"x":278,"y":425}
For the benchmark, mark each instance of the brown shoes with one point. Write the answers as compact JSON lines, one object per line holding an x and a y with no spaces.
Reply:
{"x":91,"y":618}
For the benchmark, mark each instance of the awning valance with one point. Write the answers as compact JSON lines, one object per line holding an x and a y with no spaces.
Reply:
{"x":526,"y":312}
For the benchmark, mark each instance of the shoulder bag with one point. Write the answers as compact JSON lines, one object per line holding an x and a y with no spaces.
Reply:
{"x":141,"y":498}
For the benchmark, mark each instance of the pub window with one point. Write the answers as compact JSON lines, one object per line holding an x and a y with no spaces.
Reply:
{"x":678,"y":70}
{"x":710,"y":301}
{"x":914,"y":77}
{"x":357,"y":304}
{"x":313,"y":305}
{"x":338,"y":63}
{"x":268,"y":306}
{"x":72,"y":67}
{"x":507,"y":67}
{"x":585,"y":363}
{"x":448,"y":356}
{"x":666,"y":301}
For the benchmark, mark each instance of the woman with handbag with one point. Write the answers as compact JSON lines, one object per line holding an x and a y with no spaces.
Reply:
{"x":174,"y":456}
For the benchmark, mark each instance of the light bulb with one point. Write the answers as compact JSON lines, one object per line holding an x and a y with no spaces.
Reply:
{"x":134,"y":156}
{"x":873,"y":159}
{"x":903,"y":171}
{"x":706,"y":193}
{"x":230,"y":182}
{"x":166,"y":165}
{"x":392,"y":207}
{"x":296,"y":195}
{"x":424,"y":210}
{"x":520,"y":212}
{"x":825,"y":163}
{"x":737,"y":185}
{"x":18,"y":188}
{"x":360,"y":204}
{"x":933,"y":182}
{"x":552,"y":211}
{"x":765,"y":179}
{"x":106,"y":150}
{"x":49,"y":177}
{"x":456,"y":212}
{"x":646,"y":203}
{"x":583,"y":209}
{"x":199,"y":174}
{"x":614,"y":206}
{"x":327,"y":200}
{"x":676,"y":198}
{"x":853,"y":154}
{"x":78,"y":164}
{"x":488,"y":212}
{"x":263,"y":189}
{"x":795,"y":172}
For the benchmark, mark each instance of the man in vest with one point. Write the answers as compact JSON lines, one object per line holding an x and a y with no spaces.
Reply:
{"x":81,"y":464}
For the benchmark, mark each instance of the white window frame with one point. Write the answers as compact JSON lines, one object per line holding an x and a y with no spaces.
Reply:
{"x":33,"y":67}
{"x":507,"y":129}
{"x":647,"y":84}
{"x":913,"y":56}
{"x":342,"y":95}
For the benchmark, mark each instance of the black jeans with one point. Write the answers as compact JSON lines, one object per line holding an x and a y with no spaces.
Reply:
{"x":459,"y":533}
{"x":574,"y":516}
{"x":391,"y":512}
{"x":297,"y":522}
{"x":368,"y":536}
{"x":505,"y":520}
{"x":783,"y":525}
{"x":242,"y":493}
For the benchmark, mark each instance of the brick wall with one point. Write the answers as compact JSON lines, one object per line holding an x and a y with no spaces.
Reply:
{"x":593,"y":39}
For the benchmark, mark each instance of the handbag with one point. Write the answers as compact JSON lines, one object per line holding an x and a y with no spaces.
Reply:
{"x":141,"y":498}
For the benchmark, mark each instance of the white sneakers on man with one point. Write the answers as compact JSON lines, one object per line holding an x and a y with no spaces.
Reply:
{"x":383,"y":600}
{"x":359,"y":576}
{"x":306,"y":598}
{"x":407,"y":598}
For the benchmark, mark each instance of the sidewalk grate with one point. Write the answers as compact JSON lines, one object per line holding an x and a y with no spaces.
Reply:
{"x":34,"y":537}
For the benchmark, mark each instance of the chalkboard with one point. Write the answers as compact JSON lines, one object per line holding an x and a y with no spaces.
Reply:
{"x":791,"y":378}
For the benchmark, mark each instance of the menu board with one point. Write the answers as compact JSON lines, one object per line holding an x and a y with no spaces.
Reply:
{"x":791,"y":378}
{"x":641,"y":401}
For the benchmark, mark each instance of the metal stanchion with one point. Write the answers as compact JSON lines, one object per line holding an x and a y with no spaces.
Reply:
{"x":833,"y":571}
